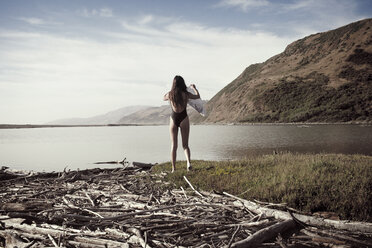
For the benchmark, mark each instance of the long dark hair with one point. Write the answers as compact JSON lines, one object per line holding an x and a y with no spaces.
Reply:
{"x":175,"y":95}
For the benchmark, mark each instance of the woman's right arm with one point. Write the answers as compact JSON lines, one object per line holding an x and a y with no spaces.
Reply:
{"x":166,"y":97}
{"x":197,"y":95}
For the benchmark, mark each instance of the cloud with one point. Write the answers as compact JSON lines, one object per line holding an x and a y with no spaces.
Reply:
{"x":243,"y":5}
{"x":304,"y":4}
{"x":103,"y":12}
{"x":66,"y":76}
{"x":296,"y":18}
{"x":38,"y":21}
{"x":318,"y":15}
{"x":32,"y":20}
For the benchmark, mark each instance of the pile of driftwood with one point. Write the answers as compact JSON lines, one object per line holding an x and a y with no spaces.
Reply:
{"x":130,"y":207}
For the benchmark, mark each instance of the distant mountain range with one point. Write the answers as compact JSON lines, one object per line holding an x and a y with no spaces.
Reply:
{"x":145,"y":115}
{"x":112,"y":117}
{"x":324,"y":77}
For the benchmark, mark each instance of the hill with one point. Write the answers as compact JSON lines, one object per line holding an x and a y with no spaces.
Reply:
{"x":155,"y":115}
{"x":324,"y":77}
{"x":152,"y":115}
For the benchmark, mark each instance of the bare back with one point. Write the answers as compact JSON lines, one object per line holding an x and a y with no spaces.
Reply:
{"x":177,"y":108}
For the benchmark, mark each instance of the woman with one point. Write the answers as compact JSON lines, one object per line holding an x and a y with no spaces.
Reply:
{"x":178,"y":97}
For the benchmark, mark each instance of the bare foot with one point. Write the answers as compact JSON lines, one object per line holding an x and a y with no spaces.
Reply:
{"x":189,"y":167}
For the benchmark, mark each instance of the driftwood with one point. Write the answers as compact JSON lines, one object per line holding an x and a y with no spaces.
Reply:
{"x":123,"y":162}
{"x":265,"y":234}
{"x":146,"y":166}
{"x":308,"y":220}
{"x":126,"y":207}
{"x":197,"y":192}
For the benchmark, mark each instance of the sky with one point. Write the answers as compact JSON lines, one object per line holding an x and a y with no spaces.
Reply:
{"x":81,"y":58}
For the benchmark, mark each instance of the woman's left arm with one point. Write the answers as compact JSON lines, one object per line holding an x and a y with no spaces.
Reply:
{"x":191,"y":96}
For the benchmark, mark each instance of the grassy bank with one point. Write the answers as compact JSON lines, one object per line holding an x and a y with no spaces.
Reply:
{"x":310,"y":183}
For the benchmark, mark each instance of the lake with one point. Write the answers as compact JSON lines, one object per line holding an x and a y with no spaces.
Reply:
{"x":52,"y":149}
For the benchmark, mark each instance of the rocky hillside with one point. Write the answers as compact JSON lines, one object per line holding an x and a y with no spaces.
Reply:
{"x":325,"y":77}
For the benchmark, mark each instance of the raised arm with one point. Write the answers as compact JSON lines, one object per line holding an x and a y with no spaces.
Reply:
{"x":197,"y":95}
{"x":166,"y":97}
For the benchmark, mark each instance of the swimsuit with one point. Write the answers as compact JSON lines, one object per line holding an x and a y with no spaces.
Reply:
{"x":178,"y":117}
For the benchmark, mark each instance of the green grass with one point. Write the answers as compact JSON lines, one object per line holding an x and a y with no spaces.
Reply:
{"x":310,"y":183}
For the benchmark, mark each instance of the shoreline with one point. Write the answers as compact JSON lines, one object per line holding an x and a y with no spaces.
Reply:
{"x":300,"y":124}
{"x":20,"y":126}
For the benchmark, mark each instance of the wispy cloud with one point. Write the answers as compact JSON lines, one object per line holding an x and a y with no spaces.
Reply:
{"x":146,"y":19}
{"x":297,"y":18}
{"x":300,"y":4}
{"x":243,"y":5}
{"x":124,"y":67}
{"x":38,"y":21}
{"x":103,"y":12}
{"x":32,"y":20}
{"x":318,"y":15}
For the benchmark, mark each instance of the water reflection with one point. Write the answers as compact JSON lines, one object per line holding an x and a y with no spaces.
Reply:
{"x":55,"y":148}
{"x":241,"y":141}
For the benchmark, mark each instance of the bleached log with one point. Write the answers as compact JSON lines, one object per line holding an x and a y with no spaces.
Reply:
{"x":352,"y":226}
{"x":183,"y":191}
{"x":123,"y":216}
{"x":146,"y":166}
{"x":31,"y":229}
{"x":23,"y":234}
{"x":265,"y":234}
{"x":322,"y":239}
{"x":89,"y":198}
{"x":53,"y":241}
{"x":70,"y":205}
{"x":134,"y":196}
{"x":113,"y":162}
{"x":118,"y":234}
{"x":72,"y":231}
{"x":257,"y":209}
{"x":250,"y":224}
{"x":197,"y":192}
{"x":233,"y":237}
{"x":138,"y":233}
{"x":125,"y":189}
{"x":29,"y":206}
{"x":34,"y":230}
{"x":12,"y":239}
{"x":162,"y":214}
{"x":343,"y":237}
{"x":85,"y":245}
{"x":99,"y":241}
{"x":309,"y":220}
{"x":131,"y":239}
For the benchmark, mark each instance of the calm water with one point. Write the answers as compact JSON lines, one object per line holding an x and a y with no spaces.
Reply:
{"x":51,"y":149}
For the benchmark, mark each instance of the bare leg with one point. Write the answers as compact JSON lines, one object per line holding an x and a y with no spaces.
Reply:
{"x":185,"y":131}
{"x":174,"y":137}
